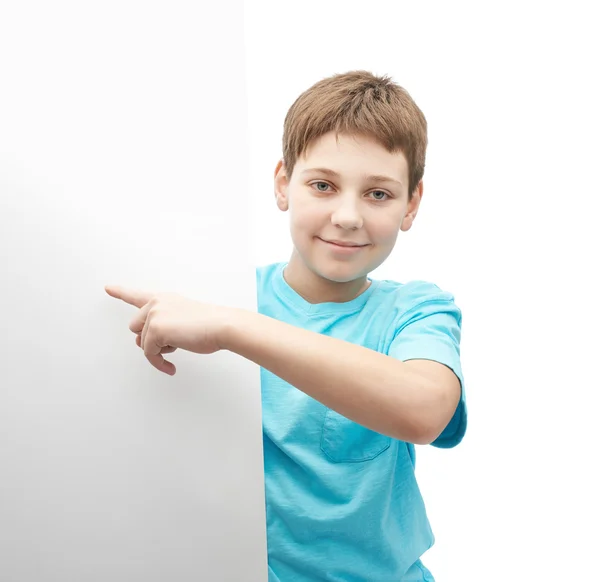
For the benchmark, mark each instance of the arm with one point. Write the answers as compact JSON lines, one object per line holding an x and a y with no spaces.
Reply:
{"x":408,"y":395}
{"x":410,"y":401}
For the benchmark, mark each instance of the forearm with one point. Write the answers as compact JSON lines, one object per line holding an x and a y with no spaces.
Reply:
{"x":370,"y":388}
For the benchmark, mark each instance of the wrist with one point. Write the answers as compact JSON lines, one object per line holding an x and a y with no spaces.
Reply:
{"x":231,"y":325}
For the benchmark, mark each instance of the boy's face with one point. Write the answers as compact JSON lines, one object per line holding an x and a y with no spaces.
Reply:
{"x":348,"y":200}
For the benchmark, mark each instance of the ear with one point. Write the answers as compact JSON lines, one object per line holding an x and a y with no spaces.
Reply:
{"x":413,"y":208}
{"x":281,"y":187}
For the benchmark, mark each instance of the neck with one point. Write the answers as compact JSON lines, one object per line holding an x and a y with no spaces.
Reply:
{"x":317,"y":289}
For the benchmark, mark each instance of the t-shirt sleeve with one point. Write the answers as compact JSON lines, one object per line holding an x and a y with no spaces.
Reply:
{"x":431,"y":331}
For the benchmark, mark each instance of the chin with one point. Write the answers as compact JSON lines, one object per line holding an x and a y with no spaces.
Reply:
{"x":341,"y":273}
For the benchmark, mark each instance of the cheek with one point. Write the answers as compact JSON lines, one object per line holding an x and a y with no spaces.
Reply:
{"x":385,"y":227}
{"x":306,"y":216}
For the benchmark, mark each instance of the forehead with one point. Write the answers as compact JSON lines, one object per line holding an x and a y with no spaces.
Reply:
{"x":352,"y":156}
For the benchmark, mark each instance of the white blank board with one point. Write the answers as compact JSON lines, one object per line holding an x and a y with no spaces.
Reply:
{"x":123,"y":161}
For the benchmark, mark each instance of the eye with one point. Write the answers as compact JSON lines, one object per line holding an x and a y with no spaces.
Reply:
{"x":379,"y":195}
{"x":320,"y":186}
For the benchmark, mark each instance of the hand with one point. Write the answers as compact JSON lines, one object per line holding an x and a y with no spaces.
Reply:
{"x":166,"y":321}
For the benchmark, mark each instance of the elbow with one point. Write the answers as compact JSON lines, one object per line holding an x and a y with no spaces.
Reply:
{"x":426,"y":434}
{"x":419,"y":432}
{"x":433,"y":402}
{"x":433,"y":420}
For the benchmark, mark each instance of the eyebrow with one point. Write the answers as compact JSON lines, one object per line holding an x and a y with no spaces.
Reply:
{"x":334,"y":174}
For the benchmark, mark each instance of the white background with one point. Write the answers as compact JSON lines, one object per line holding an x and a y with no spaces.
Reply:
{"x":110,"y":162}
{"x":117,"y":125}
{"x":508,"y":224}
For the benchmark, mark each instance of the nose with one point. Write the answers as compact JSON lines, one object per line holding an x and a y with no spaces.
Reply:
{"x":346,"y":215}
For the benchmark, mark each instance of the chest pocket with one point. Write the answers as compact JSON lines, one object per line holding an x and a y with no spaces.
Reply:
{"x":344,"y":441}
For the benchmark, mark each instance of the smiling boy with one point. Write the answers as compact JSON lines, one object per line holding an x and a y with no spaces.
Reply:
{"x":354,"y":371}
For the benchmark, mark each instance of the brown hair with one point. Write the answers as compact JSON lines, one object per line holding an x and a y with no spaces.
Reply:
{"x":358,"y":103}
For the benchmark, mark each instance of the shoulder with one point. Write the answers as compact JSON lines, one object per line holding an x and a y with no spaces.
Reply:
{"x":415,"y":299}
{"x":265,"y":273}
{"x":268,"y":279}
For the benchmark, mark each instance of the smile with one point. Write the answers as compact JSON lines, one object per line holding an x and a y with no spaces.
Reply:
{"x":344,"y":246}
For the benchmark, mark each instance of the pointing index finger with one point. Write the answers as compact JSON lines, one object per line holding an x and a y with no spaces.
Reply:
{"x":134,"y":297}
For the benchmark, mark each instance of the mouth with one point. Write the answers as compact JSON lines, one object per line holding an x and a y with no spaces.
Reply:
{"x":344,"y":245}
{"x":341,"y":243}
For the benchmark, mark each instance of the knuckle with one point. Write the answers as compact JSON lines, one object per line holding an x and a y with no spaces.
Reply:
{"x":154,"y":311}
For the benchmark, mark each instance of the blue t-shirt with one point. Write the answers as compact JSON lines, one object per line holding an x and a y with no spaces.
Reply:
{"x":342,"y":501}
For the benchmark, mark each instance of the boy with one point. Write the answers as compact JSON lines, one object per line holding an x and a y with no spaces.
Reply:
{"x":354,"y":372}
